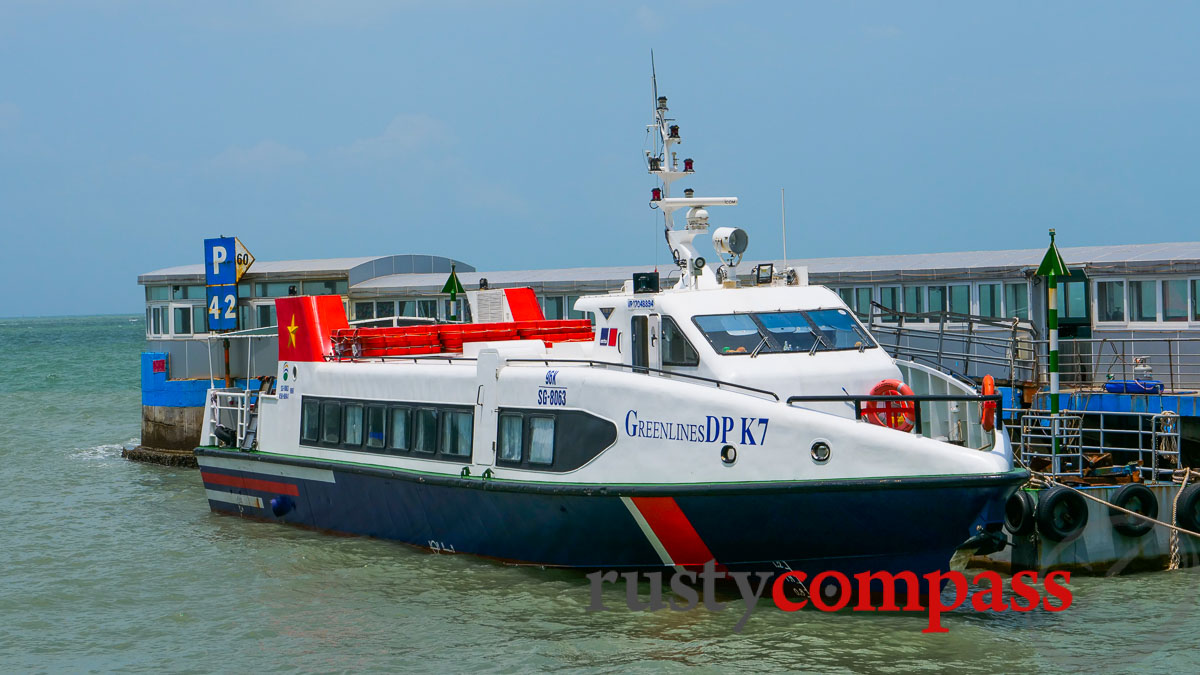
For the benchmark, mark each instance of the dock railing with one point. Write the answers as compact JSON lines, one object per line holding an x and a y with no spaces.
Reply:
{"x":1151,"y":440}
{"x":1011,"y":351}
{"x":967,"y":345}
{"x":1093,"y":363}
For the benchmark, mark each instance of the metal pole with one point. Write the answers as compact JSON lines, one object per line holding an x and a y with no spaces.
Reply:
{"x":1052,"y":321}
{"x":227,"y":376}
{"x":1171,"y":363}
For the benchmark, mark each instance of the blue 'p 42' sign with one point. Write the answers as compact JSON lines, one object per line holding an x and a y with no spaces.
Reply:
{"x":222,"y":307}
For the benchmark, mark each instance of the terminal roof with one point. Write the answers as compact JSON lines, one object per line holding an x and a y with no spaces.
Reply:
{"x":386,"y":275}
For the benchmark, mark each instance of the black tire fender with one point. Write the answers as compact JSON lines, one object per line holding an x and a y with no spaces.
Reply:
{"x":1018,"y":513}
{"x":1062,"y":514}
{"x":1188,"y":512}
{"x":1135,"y":497}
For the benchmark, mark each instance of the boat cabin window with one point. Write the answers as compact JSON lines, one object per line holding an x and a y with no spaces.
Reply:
{"x":456,"y":432}
{"x":676,"y":350}
{"x":400,"y":430}
{"x":510,"y":439}
{"x":354,"y":425}
{"x":425,"y":428}
{"x":310,"y":422}
{"x":376,"y":426}
{"x":541,"y":440}
{"x":783,"y":332}
{"x":331,"y":422}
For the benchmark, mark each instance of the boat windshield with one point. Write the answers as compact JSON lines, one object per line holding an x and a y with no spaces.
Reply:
{"x":819,"y":330}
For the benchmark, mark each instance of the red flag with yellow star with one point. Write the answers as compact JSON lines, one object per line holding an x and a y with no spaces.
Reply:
{"x":305,"y":325}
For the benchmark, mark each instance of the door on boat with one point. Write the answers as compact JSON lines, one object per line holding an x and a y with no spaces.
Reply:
{"x":654,"y":330}
{"x":644,"y":332}
{"x":483,"y":450}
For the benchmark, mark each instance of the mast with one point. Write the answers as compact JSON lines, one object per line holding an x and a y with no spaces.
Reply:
{"x":663,"y":162}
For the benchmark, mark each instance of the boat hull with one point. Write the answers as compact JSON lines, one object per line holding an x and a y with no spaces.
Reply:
{"x":851,"y":526}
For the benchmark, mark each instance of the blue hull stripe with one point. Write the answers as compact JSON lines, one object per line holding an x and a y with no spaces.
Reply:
{"x":888,"y":526}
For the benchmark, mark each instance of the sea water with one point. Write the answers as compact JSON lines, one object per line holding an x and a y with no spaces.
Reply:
{"x":108,"y":564}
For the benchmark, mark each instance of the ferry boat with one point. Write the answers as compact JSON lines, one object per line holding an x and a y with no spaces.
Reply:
{"x":760,"y":426}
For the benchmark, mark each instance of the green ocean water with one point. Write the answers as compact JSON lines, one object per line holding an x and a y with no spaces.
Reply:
{"x":111,"y":565}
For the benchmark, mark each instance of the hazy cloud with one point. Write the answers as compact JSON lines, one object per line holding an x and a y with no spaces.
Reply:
{"x":647,"y":19}
{"x":266,"y":156}
{"x":403,"y":135}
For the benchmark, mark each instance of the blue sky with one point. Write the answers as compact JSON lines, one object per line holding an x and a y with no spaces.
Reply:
{"x":510,"y":135}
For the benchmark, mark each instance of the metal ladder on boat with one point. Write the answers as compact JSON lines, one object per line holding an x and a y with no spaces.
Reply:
{"x":250,"y":431}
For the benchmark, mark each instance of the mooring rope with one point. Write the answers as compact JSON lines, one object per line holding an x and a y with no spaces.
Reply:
{"x":1040,"y":480}
{"x":1175,"y":561}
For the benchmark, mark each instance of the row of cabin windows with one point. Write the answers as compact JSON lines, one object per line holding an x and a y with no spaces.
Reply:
{"x":435,"y":431}
{"x":386,"y":309}
{"x":996,"y":300}
{"x":191,"y":319}
{"x":176,"y":320}
{"x":1146,"y":300}
{"x":1114,"y":301}
{"x":262,"y":289}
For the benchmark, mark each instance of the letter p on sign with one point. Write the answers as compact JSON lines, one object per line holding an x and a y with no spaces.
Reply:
{"x":219,"y":269}
{"x":219,"y":255}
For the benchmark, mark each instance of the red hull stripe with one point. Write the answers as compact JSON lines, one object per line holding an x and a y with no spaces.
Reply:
{"x":250,"y":483}
{"x":674,"y":530}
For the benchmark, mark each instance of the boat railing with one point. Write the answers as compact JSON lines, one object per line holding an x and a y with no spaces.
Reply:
{"x":1135,"y":365}
{"x":442,"y":358}
{"x":229,"y":408}
{"x":671,"y":374}
{"x":890,"y":406}
{"x":1150,"y":441}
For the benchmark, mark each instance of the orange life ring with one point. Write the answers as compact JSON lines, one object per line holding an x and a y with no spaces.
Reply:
{"x":988,"y":417}
{"x":899,"y":415}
